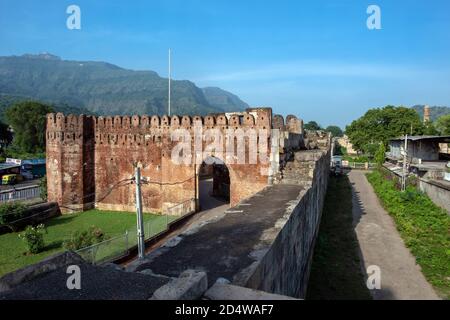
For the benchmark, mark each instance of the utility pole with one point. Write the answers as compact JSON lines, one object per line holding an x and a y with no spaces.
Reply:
{"x":170,"y":76}
{"x":140,"y":218}
{"x":405,"y":154}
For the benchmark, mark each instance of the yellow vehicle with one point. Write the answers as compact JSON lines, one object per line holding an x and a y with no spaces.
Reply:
{"x":11,"y":178}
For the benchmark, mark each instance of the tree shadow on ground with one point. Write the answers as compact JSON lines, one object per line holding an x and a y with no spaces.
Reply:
{"x":54,"y":245}
{"x":59,"y":220}
{"x":336,"y":272}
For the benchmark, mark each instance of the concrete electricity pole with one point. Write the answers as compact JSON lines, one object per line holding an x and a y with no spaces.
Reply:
{"x":140,"y":218}
{"x":405,"y":153}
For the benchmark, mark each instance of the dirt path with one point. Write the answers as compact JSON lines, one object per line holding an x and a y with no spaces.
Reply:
{"x":381,"y":245}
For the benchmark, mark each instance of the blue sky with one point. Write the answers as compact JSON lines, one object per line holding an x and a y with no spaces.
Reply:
{"x":315,"y":59}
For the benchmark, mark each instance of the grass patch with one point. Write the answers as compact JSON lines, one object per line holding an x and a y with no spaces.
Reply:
{"x":336,"y":266}
{"x":60,"y":228}
{"x":424,"y":227}
{"x":357,"y":159}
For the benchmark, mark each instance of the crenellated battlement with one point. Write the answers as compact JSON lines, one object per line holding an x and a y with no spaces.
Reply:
{"x":71,"y":122}
{"x":68,"y":128}
{"x":145,"y":129}
{"x":251,"y":118}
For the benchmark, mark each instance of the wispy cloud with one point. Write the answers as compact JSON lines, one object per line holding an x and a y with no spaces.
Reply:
{"x":317,"y":68}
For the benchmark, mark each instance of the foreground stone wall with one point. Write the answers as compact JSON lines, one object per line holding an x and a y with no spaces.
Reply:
{"x":285,"y":267}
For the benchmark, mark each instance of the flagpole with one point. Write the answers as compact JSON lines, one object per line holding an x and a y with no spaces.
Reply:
{"x":169,"y":79}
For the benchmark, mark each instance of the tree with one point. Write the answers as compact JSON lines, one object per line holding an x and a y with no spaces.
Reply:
{"x":335,"y":131}
{"x":430,"y":129}
{"x":379,"y":125}
{"x":443,"y":125}
{"x":313,"y":126}
{"x":380,"y":155}
{"x":5,"y":135}
{"x":28,"y":122}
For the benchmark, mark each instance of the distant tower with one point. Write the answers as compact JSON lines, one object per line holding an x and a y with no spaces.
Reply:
{"x":426,"y":114}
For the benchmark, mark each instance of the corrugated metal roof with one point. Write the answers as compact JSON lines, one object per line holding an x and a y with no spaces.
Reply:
{"x":417,"y":138}
{"x":8,"y":166}
{"x":33,"y":161}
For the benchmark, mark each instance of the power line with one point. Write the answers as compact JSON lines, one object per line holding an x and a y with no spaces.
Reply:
{"x":168,"y":183}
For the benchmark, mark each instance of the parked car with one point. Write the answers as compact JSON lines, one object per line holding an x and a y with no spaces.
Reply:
{"x":336,"y":165}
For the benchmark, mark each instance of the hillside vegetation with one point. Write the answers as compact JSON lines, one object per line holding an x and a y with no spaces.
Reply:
{"x":104,"y":88}
{"x":435,"y":112}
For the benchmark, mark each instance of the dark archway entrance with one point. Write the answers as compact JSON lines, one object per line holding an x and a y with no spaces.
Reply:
{"x":213,"y":184}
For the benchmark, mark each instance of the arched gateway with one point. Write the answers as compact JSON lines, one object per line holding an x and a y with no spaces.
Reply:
{"x":213,"y":183}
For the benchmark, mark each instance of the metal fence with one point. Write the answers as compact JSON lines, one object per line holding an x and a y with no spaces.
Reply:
{"x":106,"y":250}
{"x":358,"y":165}
{"x":22,"y":193}
{"x":120,"y":246}
{"x":181,"y":209}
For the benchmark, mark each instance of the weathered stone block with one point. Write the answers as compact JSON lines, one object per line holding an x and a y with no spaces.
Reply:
{"x":191,"y":285}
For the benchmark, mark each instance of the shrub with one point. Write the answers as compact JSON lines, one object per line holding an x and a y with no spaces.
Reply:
{"x":43,"y":188}
{"x":380,"y":155}
{"x":12,"y":211}
{"x":85,"y":238}
{"x":34,"y":238}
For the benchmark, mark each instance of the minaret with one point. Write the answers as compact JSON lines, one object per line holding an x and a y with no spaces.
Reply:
{"x":426,"y":114}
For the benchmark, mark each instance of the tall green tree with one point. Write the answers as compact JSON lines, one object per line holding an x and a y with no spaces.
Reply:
{"x":312,"y":125}
{"x":28,"y":122}
{"x":443,"y":125}
{"x":381,"y":124}
{"x":335,"y":131}
{"x":380,"y":155}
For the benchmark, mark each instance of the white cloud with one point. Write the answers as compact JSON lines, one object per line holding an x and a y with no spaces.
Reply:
{"x":316,"y":68}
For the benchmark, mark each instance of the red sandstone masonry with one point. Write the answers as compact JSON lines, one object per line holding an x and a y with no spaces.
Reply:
{"x":88,"y":156}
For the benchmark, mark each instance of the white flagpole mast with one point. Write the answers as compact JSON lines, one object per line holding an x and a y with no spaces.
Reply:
{"x":169,"y":80}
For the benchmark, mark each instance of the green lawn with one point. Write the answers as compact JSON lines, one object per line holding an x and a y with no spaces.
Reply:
{"x":113,"y":224}
{"x":424,"y":227}
{"x":336,"y":267}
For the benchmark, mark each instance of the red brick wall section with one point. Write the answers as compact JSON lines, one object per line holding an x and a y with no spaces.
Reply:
{"x":70,"y":164}
{"x":90,"y":160}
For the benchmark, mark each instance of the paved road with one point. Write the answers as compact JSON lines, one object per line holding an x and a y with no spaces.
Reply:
{"x":19,"y":185}
{"x":208,"y":202}
{"x":381,"y":245}
{"x":211,"y":208}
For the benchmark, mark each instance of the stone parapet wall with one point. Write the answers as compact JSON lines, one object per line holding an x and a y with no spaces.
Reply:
{"x":285,"y":267}
{"x":438,"y":191}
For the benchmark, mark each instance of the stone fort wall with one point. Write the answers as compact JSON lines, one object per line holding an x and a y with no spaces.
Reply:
{"x":90,"y":159}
